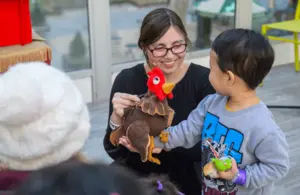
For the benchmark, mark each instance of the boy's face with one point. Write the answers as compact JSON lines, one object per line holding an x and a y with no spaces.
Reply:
{"x":217,"y":77}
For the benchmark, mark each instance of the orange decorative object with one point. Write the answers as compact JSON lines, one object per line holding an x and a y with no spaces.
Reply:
{"x":15,"y":23}
{"x":35,"y":51}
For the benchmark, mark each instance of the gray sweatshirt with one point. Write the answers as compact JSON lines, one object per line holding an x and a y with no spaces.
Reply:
{"x":250,"y":136}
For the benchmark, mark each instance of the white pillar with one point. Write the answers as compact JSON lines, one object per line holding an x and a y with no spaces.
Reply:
{"x":99,"y":22}
{"x":181,"y":8}
{"x":243,"y":14}
{"x":271,"y":4}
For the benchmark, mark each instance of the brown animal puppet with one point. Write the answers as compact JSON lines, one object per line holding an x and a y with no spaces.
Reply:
{"x":148,"y":119}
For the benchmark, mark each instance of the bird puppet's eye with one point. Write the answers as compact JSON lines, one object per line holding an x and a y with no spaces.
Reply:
{"x":156,"y":80}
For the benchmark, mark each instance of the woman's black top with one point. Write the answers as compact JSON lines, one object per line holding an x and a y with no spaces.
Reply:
{"x":178,"y":163}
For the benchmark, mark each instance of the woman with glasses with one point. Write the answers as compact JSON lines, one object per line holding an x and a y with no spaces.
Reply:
{"x":164,"y":41}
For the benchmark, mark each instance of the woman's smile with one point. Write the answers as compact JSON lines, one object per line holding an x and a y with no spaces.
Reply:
{"x":169,"y":64}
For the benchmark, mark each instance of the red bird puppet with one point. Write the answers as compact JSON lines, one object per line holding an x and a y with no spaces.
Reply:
{"x":157,"y":84}
{"x":148,"y":119}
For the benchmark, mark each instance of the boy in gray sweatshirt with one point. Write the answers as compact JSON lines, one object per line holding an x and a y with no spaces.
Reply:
{"x":234,"y":122}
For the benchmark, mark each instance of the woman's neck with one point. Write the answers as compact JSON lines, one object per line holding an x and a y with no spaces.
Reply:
{"x":173,"y":77}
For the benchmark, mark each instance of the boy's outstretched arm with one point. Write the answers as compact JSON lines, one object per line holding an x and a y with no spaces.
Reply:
{"x":272,"y":152}
{"x":188,"y":132}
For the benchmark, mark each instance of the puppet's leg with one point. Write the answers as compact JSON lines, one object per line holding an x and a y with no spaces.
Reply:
{"x":164,"y":136}
{"x":138,"y":135}
{"x":150,"y":149}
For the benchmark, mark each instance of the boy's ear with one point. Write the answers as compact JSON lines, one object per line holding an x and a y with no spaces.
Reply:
{"x":231,"y":78}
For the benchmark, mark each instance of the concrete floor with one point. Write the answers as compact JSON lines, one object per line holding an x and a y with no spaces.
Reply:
{"x":281,"y":87}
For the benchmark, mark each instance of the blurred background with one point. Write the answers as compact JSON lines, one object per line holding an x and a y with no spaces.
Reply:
{"x":65,"y":24}
{"x":67,"y":27}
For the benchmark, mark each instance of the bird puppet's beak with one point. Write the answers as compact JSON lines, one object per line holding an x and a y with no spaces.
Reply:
{"x":168,"y":87}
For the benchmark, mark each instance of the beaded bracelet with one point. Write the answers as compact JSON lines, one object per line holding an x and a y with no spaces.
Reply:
{"x":112,"y":125}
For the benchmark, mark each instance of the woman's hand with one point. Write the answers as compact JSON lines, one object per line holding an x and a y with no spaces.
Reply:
{"x":121,"y":101}
{"x":125,"y":142}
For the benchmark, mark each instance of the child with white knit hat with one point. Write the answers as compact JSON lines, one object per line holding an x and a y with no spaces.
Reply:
{"x":43,"y":120}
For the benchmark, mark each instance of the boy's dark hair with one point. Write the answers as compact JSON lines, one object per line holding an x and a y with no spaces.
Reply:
{"x":246,"y":53}
{"x":75,"y":178}
{"x":159,"y":185}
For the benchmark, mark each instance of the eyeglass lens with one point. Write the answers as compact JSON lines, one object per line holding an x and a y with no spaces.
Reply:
{"x":177,"y":49}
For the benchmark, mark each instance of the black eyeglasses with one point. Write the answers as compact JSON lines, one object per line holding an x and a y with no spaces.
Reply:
{"x":161,"y":52}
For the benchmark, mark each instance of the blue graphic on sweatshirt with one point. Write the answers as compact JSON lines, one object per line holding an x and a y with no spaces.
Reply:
{"x":232,"y":138}
{"x":220,"y":141}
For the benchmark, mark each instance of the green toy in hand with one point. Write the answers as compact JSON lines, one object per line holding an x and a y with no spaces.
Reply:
{"x":222,"y":164}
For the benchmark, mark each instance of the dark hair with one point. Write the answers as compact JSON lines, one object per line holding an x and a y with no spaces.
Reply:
{"x":246,"y":53}
{"x":77,"y":178}
{"x":156,"y":23}
{"x":159,"y":185}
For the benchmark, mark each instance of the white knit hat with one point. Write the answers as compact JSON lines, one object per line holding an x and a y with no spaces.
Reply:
{"x":43,"y":118}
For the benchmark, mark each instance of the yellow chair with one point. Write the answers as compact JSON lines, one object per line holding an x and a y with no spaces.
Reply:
{"x":289,"y":25}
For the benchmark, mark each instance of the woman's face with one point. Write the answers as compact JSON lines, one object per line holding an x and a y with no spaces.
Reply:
{"x":161,"y":55}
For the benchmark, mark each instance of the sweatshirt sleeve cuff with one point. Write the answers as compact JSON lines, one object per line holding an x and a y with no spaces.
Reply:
{"x":158,"y":143}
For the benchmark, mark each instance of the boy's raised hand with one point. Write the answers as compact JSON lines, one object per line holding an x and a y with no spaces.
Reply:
{"x":229,"y":174}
